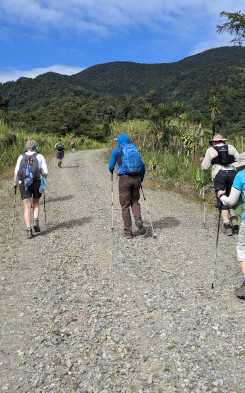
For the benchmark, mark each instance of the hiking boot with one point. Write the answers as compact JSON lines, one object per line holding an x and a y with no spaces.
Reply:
{"x":29,"y":233}
{"x":36,"y":226}
{"x":127,"y":235}
{"x":240,"y":292}
{"x":139,"y":224}
{"x":228,"y":229}
{"x":234,"y":224}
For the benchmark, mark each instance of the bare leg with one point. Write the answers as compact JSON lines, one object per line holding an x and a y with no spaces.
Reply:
{"x":35,"y":208}
{"x":242,"y":264}
{"x":27,"y":211}
{"x":225,"y":215}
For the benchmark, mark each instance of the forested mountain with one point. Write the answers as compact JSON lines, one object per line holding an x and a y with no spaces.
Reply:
{"x":86,"y":103}
{"x":183,"y":80}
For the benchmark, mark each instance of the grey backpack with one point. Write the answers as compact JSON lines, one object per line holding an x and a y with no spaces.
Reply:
{"x":31,"y":163}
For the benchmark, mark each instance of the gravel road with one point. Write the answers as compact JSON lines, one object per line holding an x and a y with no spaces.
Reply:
{"x":84,"y":310}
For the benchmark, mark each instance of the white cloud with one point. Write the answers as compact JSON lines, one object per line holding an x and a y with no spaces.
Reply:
{"x":102,"y":16}
{"x":215,"y":41}
{"x":14,"y":74}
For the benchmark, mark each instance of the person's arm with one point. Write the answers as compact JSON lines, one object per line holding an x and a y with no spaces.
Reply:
{"x":113,"y":160}
{"x":42,"y":165}
{"x":232,"y":199}
{"x":206,"y":162}
{"x":17,"y":167}
{"x":234,"y":152}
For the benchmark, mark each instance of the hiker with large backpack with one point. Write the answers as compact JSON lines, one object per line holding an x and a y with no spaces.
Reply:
{"x":30,"y":167}
{"x":60,"y":147}
{"x":131,"y":171}
{"x":237,"y":198}
{"x":221,"y":156}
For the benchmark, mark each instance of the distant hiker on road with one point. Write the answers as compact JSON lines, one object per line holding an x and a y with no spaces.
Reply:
{"x":221,"y":157}
{"x":131,"y":171}
{"x":29,"y":168}
{"x":73,"y":144}
{"x":237,"y":190}
{"x":60,"y":147}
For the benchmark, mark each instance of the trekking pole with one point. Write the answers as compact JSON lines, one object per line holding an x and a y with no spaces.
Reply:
{"x":112,"y":203}
{"x":44,"y":205}
{"x":214,"y":266}
{"x":147,"y":208}
{"x":203,"y":200}
{"x":14,"y":207}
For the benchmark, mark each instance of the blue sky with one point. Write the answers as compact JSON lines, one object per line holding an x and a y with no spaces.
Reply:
{"x":67,"y":36}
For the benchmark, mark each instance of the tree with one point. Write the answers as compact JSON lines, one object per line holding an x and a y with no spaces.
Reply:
{"x":235,"y":26}
{"x":4,"y":103}
{"x":214,"y":109}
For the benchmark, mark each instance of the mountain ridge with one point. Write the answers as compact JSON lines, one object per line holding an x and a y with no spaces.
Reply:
{"x":182,"y":80}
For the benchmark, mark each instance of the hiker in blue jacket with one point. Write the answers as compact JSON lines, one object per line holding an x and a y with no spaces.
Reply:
{"x":131,"y":171}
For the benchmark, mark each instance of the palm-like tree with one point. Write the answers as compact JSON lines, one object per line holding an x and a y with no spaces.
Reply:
{"x":214,"y":109}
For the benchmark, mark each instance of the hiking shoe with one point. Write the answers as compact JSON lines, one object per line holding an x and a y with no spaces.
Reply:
{"x":139,"y":224}
{"x":36,"y":226}
{"x":29,"y":233}
{"x":240,"y":292}
{"x":228,"y":229}
{"x":234,"y":224}
{"x":126,"y":235}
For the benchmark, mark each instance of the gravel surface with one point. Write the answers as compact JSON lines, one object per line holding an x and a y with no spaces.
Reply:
{"x":84,"y":310}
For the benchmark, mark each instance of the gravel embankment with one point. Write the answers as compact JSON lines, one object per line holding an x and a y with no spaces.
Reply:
{"x":84,"y":310}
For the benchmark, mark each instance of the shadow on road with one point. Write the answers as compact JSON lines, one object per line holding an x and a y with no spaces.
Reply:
{"x":167,"y":222}
{"x":59,"y":199}
{"x":66,"y":224}
{"x":70,"y":166}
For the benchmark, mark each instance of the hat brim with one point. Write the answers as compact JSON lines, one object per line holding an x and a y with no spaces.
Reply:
{"x":218,"y":140}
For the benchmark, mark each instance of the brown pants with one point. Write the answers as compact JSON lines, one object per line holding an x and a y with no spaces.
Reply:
{"x":129,"y":195}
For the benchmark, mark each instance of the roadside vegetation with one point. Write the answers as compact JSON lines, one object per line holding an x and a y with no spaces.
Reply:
{"x":12,"y":144}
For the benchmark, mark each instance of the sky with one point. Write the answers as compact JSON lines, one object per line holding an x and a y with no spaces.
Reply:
{"x":67,"y":36}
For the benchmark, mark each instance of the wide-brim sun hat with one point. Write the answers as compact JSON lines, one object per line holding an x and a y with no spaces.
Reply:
{"x":31,"y":143}
{"x":240,"y":161}
{"x":218,"y":138}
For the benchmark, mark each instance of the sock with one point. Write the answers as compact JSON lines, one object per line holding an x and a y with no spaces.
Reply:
{"x":226,"y":222}
{"x":232,"y":213}
{"x":29,"y":228}
{"x":35,"y":219}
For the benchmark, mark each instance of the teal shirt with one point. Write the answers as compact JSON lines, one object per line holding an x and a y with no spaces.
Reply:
{"x":239,"y":184}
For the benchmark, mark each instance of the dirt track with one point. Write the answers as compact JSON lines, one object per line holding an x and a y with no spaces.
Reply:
{"x":84,"y":310}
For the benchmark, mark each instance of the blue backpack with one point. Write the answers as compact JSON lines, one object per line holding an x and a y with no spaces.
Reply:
{"x":132,"y":162}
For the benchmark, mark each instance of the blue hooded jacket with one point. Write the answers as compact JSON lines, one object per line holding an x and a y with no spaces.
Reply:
{"x":116,"y":156}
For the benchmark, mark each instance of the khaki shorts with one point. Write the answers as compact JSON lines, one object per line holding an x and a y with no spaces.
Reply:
{"x":240,"y":247}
